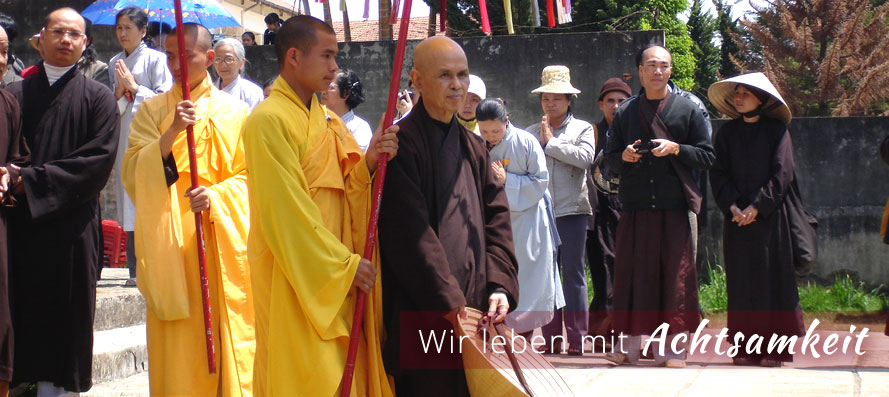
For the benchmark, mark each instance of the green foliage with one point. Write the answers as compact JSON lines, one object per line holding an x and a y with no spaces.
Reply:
{"x":712,"y":294}
{"x":844,"y":295}
{"x":701,"y":30}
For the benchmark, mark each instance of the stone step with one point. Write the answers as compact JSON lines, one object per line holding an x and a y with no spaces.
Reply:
{"x":133,"y":386}
{"x":119,"y":353}
{"x":117,"y":306}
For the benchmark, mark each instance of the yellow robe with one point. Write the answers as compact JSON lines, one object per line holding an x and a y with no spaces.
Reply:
{"x":471,"y":125}
{"x":166,"y":247}
{"x":309,"y":204}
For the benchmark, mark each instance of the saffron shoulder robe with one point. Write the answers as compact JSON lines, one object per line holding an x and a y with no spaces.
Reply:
{"x":309,"y":205}
{"x":166,"y":245}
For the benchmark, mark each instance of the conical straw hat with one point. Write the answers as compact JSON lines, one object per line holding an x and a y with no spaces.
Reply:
{"x":722,"y":93}
{"x":489,"y":372}
{"x":556,"y":79}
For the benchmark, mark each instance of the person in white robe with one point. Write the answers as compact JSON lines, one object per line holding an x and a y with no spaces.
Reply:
{"x":136,"y":73}
{"x":343,"y":95}
{"x":520,"y":163}
{"x":229,"y":64}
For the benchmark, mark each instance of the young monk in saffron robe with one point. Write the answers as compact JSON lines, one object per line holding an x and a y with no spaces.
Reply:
{"x":157,"y":177}
{"x":310,"y":187}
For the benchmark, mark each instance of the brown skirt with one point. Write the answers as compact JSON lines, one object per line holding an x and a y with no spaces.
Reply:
{"x":655,"y":280}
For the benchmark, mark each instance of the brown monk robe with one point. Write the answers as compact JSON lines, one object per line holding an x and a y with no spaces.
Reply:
{"x":71,"y":124}
{"x":445,"y":234}
{"x":756,"y":160}
{"x":12,"y":150}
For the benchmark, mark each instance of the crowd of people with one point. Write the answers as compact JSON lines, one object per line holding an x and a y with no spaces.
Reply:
{"x":474,"y":210}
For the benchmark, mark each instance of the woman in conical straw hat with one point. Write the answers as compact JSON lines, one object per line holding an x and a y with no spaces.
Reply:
{"x":569,"y":144}
{"x":751,"y":178}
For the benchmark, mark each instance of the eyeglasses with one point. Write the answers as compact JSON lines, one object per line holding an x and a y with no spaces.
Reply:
{"x":229,"y":60}
{"x":60,"y":33}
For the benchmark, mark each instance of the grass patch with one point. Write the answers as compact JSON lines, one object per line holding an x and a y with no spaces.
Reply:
{"x":844,"y":295}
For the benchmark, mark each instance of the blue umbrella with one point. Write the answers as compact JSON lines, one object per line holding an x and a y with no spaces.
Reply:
{"x":209,"y":13}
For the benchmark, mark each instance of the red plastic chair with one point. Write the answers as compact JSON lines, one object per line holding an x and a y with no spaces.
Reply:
{"x":115,"y":244}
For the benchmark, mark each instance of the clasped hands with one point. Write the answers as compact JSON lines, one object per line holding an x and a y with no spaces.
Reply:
{"x":11,"y":180}
{"x":745,"y":217}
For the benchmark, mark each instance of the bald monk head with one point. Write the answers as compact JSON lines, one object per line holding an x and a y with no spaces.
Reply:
{"x":198,"y":50}
{"x":441,"y":74}
{"x":63,"y":37}
{"x":306,"y":48}
{"x":4,"y":51}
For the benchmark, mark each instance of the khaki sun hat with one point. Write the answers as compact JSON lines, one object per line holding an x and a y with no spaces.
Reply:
{"x":722,"y":92}
{"x":556,"y":79}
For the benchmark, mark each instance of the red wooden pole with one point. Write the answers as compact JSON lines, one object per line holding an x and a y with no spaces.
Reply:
{"x":443,"y":15}
{"x":380,"y":177}
{"x":193,"y":169}
{"x":483,"y":10}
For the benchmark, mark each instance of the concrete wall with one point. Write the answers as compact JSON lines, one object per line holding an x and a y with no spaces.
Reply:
{"x":844,"y":184}
{"x":509,"y":65}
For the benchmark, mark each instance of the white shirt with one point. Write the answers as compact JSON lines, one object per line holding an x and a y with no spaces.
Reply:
{"x":244,"y":90}
{"x":359,"y":128}
{"x":54,"y":73}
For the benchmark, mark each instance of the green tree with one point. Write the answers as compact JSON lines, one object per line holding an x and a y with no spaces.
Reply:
{"x":702,"y":29}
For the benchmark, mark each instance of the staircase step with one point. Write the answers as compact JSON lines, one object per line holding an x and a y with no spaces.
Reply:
{"x":119,"y":353}
{"x":117,"y":306}
{"x":133,"y":386}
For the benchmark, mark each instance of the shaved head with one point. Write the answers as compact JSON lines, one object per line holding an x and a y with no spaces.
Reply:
{"x":300,"y":32}
{"x":4,"y":51}
{"x":65,"y":12}
{"x":430,"y":50}
{"x":441,"y":74}
{"x":201,"y":37}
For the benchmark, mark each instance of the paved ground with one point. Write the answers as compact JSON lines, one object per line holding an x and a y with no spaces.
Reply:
{"x":707,"y":374}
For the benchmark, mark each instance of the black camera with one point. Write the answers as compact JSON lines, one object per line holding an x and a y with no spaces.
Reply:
{"x":645,"y":147}
{"x":409,"y":97}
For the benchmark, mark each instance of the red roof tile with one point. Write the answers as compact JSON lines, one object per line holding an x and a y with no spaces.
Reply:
{"x":369,"y":30}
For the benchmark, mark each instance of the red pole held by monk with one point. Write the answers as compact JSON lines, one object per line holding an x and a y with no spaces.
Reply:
{"x":380,"y":177}
{"x":193,"y":169}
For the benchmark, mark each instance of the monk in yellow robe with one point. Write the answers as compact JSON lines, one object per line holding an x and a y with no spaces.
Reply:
{"x":310,"y":187}
{"x":157,"y":177}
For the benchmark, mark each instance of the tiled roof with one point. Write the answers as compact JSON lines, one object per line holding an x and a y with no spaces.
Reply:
{"x":369,"y":30}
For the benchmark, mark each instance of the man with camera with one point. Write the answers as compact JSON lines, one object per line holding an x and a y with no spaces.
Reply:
{"x":657,"y":138}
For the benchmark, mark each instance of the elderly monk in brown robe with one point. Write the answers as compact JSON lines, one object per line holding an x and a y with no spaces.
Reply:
{"x":12,"y":150}
{"x":656,"y":139}
{"x":71,"y":125}
{"x":445,"y":235}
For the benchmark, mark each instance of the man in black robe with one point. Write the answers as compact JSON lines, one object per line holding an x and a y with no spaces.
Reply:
{"x":655,"y":281}
{"x":71,"y":125}
{"x":606,"y":214}
{"x":12,"y":150}
{"x":445,"y":235}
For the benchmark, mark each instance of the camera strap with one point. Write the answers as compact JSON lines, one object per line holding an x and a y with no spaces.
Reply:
{"x":654,"y":125}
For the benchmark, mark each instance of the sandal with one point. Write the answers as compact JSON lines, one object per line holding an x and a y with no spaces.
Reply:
{"x":575,"y":351}
{"x":674,"y":363}
{"x":744,"y":361}
{"x":617,"y":358}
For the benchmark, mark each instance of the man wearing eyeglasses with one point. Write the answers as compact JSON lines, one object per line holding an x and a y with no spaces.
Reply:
{"x":157,"y":177}
{"x":657,"y":138}
{"x":71,"y":125}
